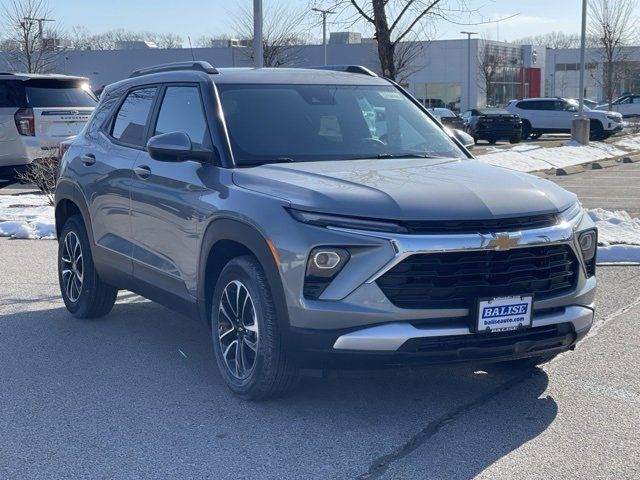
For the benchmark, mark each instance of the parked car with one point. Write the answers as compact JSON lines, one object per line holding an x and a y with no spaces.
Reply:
{"x":492,"y":124}
{"x":259,"y":201}
{"x":554,"y":115}
{"x":37,"y":112}
{"x":627,"y":105}
{"x":448,"y":118}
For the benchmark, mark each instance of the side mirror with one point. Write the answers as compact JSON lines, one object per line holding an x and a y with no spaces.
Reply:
{"x":170,"y":147}
{"x":464,"y":138}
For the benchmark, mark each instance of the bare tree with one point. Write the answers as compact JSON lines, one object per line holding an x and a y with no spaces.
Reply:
{"x":31,"y":47}
{"x":394,"y":21}
{"x":552,"y":40}
{"x":164,"y":40}
{"x":283,"y":33}
{"x":79,"y":38}
{"x":489,"y":63}
{"x":612,"y":26}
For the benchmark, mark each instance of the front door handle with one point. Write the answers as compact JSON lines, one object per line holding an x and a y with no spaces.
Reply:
{"x":88,"y":159}
{"x":142,"y":171}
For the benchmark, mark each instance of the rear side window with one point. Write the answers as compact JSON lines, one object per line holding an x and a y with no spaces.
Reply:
{"x":50,"y":93}
{"x":11,"y":94}
{"x":181,"y":111}
{"x":131,"y":119}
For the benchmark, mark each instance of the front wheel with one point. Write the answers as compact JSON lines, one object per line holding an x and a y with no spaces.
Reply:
{"x":84,"y":293}
{"x":247,"y":340}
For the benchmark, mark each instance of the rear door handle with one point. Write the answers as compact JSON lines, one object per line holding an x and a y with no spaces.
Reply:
{"x":142,"y":171}
{"x":88,"y":159}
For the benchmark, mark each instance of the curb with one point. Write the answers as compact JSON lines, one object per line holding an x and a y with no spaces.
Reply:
{"x":571,"y":169}
{"x":600,"y":164}
{"x":631,"y":159}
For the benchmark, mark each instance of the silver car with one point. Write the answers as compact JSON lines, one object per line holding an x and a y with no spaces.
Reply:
{"x":37,"y":112}
{"x":263,"y":202}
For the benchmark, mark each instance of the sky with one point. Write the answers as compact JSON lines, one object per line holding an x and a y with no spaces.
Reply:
{"x":215,"y":17}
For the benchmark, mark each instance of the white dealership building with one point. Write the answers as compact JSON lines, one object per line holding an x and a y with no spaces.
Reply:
{"x":438,"y":74}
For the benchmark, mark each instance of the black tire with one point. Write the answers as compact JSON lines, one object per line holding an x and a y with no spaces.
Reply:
{"x":514,"y":140}
{"x":596,"y":130}
{"x":526,"y":129}
{"x":93,"y":298}
{"x":492,"y":141}
{"x":271,"y":373}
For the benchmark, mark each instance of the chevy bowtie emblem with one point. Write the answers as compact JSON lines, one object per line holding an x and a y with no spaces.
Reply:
{"x":503,"y":241}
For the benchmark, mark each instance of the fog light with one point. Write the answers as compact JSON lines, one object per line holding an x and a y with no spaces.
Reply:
{"x":588,"y":242}
{"x":326,"y":260}
{"x":323,"y":266}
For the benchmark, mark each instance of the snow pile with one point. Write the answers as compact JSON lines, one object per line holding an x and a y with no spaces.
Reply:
{"x":630,"y":142}
{"x":531,"y":158}
{"x":618,"y":236}
{"x":26,"y":216}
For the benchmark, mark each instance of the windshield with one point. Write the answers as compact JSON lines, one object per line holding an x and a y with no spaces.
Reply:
{"x":270,"y":123}
{"x":48,"y":93}
{"x":576,"y":104}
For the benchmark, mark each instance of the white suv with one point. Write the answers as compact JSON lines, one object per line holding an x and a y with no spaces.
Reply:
{"x":554,"y":115}
{"x":37,"y":112}
{"x":627,"y":105}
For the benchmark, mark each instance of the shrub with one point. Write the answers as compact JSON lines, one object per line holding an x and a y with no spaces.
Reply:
{"x":43,"y":173}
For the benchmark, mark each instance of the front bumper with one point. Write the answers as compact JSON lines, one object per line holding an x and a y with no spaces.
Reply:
{"x":361,"y":326}
{"x":404,"y":343}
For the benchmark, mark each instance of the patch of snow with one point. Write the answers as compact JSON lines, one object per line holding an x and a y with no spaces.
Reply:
{"x":531,"y":158}
{"x":631,"y":142}
{"x":618,"y":236}
{"x":624,"y":254}
{"x":26,"y":216}
{"x":616,"y":227}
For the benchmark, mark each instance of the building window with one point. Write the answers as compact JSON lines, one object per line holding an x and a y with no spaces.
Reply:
{"x":439,"y":95}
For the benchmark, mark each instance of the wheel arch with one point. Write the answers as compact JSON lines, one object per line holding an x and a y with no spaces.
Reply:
{"x":225,"y":239}
{"x":70,"y":201}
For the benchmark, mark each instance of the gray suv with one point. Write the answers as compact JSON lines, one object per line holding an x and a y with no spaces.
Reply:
{"x":316,"y":219}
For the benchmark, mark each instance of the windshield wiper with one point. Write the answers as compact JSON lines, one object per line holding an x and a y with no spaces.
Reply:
{"x":265,"y":161}
{"x":397,"y":155}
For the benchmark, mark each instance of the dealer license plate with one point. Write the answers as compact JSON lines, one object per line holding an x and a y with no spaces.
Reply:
{"x":501,"y":314}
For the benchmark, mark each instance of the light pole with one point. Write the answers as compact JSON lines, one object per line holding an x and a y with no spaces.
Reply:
{"x":258,"y":52}
{"x":40,"y":27}
{"x":468,"y":34}
{"x":324,"y":14}
{"x":580,"y":124}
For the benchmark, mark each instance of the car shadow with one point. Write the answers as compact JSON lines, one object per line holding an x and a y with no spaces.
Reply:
{"x":143,"y":380}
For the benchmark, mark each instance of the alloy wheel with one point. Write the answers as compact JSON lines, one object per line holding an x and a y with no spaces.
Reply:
{"x":238,"y":330}
{"x":72,"y":266}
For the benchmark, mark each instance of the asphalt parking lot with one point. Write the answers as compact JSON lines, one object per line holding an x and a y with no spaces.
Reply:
{"x":136,"y":395}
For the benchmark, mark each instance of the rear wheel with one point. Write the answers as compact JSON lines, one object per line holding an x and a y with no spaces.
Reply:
{"x":85,"y":295}
{"x":492,"y":141}
{"x":514,"y":139}
{"x":247,"y":341}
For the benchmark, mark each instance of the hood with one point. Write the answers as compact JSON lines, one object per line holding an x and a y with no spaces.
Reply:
{"x":407,"y":189}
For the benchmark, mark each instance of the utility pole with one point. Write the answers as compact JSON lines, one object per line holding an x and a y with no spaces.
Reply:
{"x":258,"y":48}
{"x":40,"y":27}
{"x":324,"y":28}
{"x":468,"y":34}
{"x":581,"y":124}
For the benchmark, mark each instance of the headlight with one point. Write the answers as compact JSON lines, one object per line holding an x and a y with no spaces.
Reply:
{"x":329,"y":220}
{"x":615,"y":118}
{"x":588,"y":242}
{"x":323,"y":264}
{"x":571,"y":213}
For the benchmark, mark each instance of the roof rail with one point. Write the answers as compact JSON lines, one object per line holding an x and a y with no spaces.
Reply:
{"x":200,"y":66}
{"x":348,"y":68}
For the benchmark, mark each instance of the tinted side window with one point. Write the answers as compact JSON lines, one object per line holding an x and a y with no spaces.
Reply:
{"x":525,"y":105}
{"x":181,"y":111}
{"x":129,"y":125}
{"x":11,"y":94}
